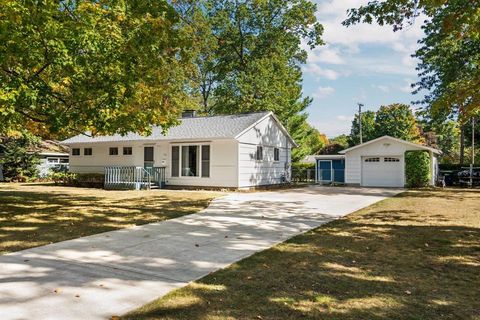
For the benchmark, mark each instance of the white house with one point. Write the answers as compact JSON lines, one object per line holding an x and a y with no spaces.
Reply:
{"x":234,"y":151}
{"x":381,"y":162}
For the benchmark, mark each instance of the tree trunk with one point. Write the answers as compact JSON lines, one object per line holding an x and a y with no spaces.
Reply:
{"x":462,"y":144}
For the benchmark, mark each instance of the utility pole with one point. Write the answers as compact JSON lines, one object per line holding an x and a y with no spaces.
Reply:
{"x":360,"y":105}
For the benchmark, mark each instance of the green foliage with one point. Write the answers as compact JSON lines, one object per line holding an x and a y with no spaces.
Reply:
{"x":397,"y":120}
{"x":89,"y":180}
{"x":302,"y":166}
{"x":309,"y":139}
{"x":449,"y":55}
{"x":368,"y":128}
{"x":104,"y":66}
{"x":417,"y":169}
{"x":249,"y":59}
{"x":335,"y":145}
{"x":64,"y":178}
{"x":446,"y":138}
{"x":19,"y":161}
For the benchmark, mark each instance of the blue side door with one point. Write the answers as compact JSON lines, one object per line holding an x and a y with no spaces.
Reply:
{"x":324,"y":171}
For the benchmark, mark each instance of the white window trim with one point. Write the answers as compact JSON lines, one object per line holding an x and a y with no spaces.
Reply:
{"x":199,"y":145}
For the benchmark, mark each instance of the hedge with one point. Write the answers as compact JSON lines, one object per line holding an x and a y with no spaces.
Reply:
{"x":89,"y":180}
{"x":417,"y":169}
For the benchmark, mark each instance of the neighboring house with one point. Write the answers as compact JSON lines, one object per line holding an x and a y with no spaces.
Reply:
{"x":376,"y":163}
{"x":52,"y":155}
{"x":234,"y":151}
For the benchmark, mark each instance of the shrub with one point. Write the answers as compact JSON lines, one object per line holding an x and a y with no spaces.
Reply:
{"x":417,"y":169}
{"x":89,"y":180}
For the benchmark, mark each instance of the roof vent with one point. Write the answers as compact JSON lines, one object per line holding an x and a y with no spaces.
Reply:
{"x":189,"y":114}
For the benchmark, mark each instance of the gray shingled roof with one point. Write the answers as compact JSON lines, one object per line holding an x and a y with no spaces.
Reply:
{"x":216,"y":127}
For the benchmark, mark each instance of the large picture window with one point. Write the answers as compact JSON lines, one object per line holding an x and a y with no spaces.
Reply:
{"x":191,"y":161}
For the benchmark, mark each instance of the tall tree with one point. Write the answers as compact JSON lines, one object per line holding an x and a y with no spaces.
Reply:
{"x":250,"y":57}
{"x":368,"y":128}
{"x":449,"y":56}
{"x":397,"y":120}
{"x":105,"y":66}
{"x":19,"y":161}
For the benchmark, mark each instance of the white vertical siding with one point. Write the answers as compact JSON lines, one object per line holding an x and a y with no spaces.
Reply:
{"x":251,"y":172}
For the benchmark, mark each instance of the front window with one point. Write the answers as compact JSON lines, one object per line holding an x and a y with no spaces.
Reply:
{"x":75,"y":152}
{"x":127,"y":151}
{"x":53,"y":160}
{"x":113,"y":151}
{"x":191,"y":161}
{"x":87,"y":151}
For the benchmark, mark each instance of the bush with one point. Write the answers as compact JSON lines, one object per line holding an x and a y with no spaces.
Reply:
{"x":417,"y":169}
{"x":88,"y":180}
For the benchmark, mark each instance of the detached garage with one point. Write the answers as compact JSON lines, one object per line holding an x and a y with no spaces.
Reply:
{"x":381,"y":162}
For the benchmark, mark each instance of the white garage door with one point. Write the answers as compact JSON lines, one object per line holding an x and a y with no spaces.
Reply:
{"x":382,"y":171}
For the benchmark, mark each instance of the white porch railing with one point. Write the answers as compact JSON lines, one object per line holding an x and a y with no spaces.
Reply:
{"x":122,"y":177}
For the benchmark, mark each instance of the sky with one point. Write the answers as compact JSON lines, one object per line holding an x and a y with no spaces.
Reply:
{"x":364,"y":63}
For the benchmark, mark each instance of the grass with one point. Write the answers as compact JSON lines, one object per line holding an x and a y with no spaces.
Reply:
{"x":33,"y":214}
{"x":414,"y":256}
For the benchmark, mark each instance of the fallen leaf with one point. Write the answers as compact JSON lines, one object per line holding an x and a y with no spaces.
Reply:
{"x":77,"y":296}
{"x":408,"y":292}
{"x":426,"y":244}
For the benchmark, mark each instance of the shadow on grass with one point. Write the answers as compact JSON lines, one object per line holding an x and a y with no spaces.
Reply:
{"x":347,"y":269}
{"x":31,"y":218}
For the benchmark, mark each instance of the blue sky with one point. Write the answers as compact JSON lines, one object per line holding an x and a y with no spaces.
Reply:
{"x":364,"y":63}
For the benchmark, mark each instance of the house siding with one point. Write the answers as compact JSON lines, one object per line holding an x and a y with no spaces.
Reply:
{"x":251,"y":172}
{"x":100,"y":157}
{"x":223,"y":168}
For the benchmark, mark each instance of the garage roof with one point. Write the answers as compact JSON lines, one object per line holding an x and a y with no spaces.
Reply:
{"x":416,"y":145}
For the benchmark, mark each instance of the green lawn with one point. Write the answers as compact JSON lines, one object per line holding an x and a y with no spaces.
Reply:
{"x":33,"y":214}
{"x":414,"y":256}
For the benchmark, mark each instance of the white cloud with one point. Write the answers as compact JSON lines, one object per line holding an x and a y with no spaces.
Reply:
{"x":320,"y":72}
{"x":345,"y":118}
{"x":381,"y":87}
{"x":326,"y":55}
{"x":323,"y":92}
{"x":334,"y":126}
{"x":407,"y":87}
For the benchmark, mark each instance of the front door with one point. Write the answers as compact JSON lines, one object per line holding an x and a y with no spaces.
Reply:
{"x":148,"y":159}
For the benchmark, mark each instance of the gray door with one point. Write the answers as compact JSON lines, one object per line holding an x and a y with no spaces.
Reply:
{"x":148,"y":159}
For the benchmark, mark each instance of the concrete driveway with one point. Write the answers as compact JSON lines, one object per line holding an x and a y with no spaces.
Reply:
{"x":111,"y":273}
